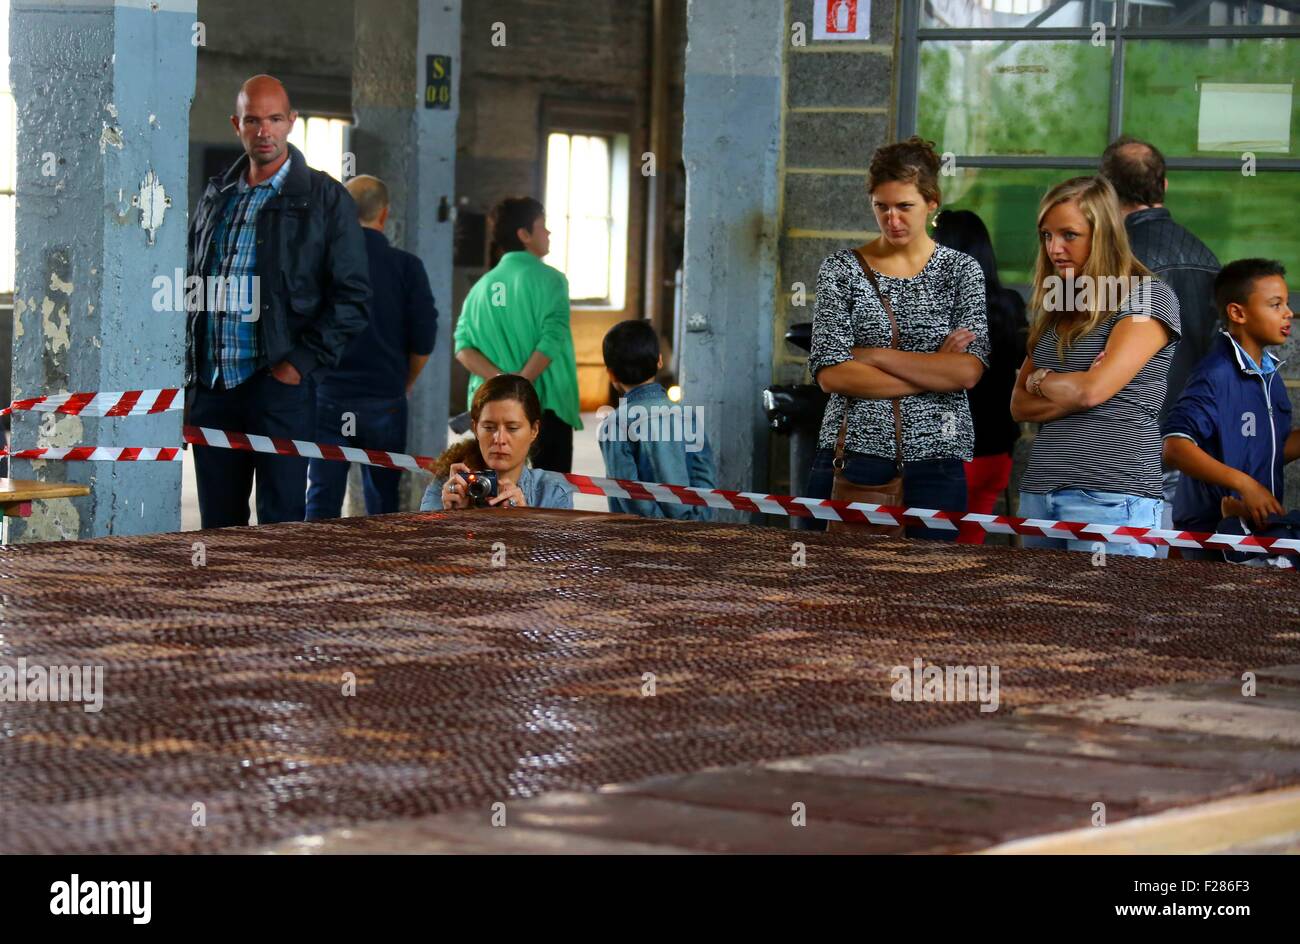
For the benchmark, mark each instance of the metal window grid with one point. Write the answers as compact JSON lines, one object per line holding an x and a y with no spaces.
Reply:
{"x":912,"y":35}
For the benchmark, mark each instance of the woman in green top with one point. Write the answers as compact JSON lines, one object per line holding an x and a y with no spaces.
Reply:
{"x":516,"y":321}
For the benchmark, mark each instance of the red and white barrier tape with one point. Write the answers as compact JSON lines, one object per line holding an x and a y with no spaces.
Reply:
{"x":100,"y":453}
{"x":126,"y":403}
{"x":219,"y":439}
{"x":752,"y":502}
{"x":863,"y":513}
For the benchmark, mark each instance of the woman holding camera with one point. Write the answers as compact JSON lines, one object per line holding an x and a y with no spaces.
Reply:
{"x":506,"y":419}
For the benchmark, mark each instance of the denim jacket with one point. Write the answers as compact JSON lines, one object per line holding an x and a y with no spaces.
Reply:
{"x":541,"y":489}
{"x":656,"y":449}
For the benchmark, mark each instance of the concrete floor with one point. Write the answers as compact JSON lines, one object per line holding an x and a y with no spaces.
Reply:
{"x":1174,"y":780}
{"x":586,"y":461}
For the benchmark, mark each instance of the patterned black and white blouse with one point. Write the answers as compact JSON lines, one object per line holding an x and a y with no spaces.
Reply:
{"x":945,"y":295}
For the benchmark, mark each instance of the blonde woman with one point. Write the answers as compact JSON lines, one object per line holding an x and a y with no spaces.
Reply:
{"x":1103,"y":335}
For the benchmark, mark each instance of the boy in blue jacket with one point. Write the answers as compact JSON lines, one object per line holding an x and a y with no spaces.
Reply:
{"x":649,"y":438}
{"x":1230,"y":431}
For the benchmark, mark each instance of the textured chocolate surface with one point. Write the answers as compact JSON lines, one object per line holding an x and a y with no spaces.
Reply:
{"x":224,"y":683}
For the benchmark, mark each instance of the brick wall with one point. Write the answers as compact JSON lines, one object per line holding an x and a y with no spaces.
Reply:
{"x":837,"y":111}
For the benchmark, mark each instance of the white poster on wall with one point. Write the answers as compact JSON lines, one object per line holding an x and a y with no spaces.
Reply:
{"x":842,"y":19}
{"x":1244,"y":116}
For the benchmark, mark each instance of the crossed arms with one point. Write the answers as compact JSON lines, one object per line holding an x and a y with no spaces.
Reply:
{"x":1131,"y":344}
{"x":881,"y":373}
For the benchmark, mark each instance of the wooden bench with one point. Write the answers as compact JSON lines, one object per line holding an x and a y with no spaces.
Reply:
{"x":17,"y":495}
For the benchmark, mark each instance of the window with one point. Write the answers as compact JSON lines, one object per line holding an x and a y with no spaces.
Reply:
{"x":323,"y":142}
{"x":586,"y":211}
{"x":1013,"y":14}
{"x":1025,"y":93}
{"x":8,"y":161}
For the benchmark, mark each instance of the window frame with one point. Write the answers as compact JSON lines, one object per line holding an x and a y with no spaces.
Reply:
{"x":11,"y":134}
{"x":911,"y":35}
{"x":612,"y":120}
{"x":348,"y":127}
{"x":7,"y":294}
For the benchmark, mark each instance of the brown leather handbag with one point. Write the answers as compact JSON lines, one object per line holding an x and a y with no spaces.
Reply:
{"x":891,"y":492}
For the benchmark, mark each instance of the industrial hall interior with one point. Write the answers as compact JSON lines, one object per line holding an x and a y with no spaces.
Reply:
{"x":650,"y":426}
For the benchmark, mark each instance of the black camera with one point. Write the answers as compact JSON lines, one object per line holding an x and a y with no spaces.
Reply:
{"x":480,"y":486}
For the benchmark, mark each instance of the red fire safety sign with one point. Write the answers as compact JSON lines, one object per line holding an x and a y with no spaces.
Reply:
{"x":842,"y":19}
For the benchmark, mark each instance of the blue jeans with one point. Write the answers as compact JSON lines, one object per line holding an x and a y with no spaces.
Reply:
{"x":1092,"y":506}
{"x":930,"y":483}
{"x":380,"y":424}
{"x":1169,"y":483}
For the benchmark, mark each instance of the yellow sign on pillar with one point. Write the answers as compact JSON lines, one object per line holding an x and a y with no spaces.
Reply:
{"x":437,"y":87}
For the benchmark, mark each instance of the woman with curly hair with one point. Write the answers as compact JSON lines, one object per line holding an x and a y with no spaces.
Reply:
{"x":507,"y":417}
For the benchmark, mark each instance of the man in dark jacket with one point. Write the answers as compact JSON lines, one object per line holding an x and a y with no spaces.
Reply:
{"x":282,"y":244}
{"x":1183,"y":262}
{"x":362,"y":402}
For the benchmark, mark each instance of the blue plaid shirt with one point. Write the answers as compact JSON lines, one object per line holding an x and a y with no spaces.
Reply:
{"x":230,"y":352}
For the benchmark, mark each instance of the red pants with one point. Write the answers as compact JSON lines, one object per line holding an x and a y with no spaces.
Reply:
{"x":986,"y":479}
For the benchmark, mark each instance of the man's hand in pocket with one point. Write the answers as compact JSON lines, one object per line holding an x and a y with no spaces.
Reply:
{"x":286,"y":373}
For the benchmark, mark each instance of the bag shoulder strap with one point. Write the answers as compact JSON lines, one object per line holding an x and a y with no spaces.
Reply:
{"x":870,"y":273}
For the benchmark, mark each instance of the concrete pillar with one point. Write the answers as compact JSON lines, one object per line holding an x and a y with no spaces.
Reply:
{"x":731,"y":147}
{"x":412,"y":148}
{"x":103,"y":94}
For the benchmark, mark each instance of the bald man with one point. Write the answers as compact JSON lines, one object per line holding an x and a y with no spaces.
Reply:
{"x":1176,"y":256}
{"x":283,"y":240}
{"x":362,"y":402}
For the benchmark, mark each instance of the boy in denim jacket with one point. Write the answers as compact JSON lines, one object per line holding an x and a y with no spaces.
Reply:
{"x":648,"y":438}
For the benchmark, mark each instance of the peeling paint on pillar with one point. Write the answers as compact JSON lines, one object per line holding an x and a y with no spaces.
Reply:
{"x":111,"y":136}
{"x":54,"y":317}
{"x":153,"y":203}
{"x":94,"y":84}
